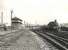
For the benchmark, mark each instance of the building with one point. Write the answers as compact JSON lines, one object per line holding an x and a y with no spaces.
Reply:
{"x":3,"y":27}
{"x":16,"y":23}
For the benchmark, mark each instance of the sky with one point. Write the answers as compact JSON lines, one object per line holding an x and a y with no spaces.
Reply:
{"x":35,"y":11}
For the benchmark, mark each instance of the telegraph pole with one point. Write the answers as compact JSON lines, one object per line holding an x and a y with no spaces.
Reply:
{"x":11,"y":18}
{"x":2,"y":18}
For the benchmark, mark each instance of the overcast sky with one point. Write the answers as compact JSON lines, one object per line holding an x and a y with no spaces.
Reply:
{"x":36,"y":11}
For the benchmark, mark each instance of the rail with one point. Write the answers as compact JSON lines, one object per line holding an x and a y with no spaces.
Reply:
{"x":55,"y":40}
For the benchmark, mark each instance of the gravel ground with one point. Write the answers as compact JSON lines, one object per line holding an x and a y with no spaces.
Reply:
{"x":21,"y":40}
{"x":24,"y":40}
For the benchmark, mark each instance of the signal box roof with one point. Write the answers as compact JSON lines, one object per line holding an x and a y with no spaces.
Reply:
{"x":15,"y":18}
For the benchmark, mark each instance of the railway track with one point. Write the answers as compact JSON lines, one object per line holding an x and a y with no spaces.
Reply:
{"x":58,"y":42}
